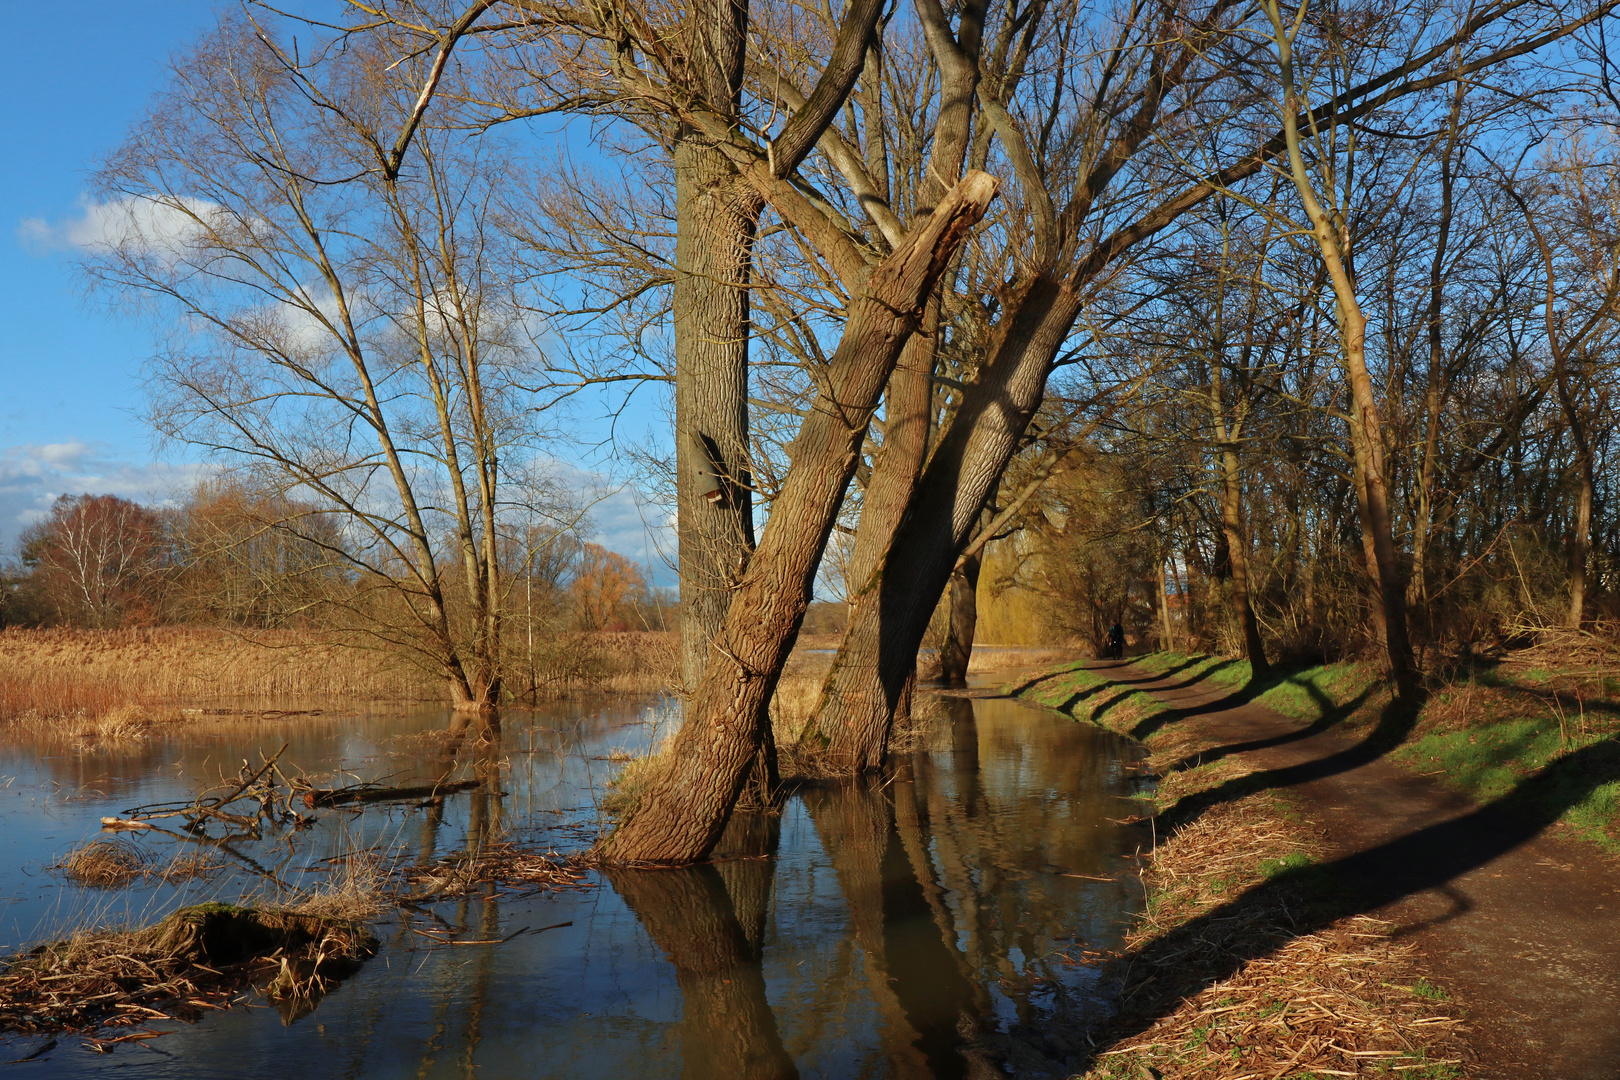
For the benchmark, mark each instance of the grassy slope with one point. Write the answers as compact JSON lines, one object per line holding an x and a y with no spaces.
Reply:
{"x":1481,"y":736}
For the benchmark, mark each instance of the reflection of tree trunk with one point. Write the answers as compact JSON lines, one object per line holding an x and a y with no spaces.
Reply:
{"x":912,"y":974}
{"x":727,"y":1027}
{"x":484,"y":807}
{"x":743,"y":860}
{"x":957,"y":651}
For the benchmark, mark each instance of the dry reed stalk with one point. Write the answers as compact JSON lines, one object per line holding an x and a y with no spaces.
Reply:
{"x":106,"y":863}
{"x":506,"y":865}
{"x":1333,"y":1000}
{"x":198,"y":958}
{"x":49,"y":675}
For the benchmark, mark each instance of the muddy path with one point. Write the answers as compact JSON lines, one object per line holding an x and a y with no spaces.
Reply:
{"x":1521,"y":925}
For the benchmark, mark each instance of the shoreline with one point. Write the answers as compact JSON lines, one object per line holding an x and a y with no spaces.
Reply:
{"x":1237,"y":965}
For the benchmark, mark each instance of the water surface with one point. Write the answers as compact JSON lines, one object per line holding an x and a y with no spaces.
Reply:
{"x":932,"y":925}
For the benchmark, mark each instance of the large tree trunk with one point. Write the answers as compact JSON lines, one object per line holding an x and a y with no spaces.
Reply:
{"x":683,"y":812}
{"x":907,"y":417}
{"x":890,"y":613}
{"x":716,"y":219}
{"x":1237,"y":550}
{"x":957,"y":651}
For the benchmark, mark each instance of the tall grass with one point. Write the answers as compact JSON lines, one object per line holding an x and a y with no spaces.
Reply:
{"x":91,"y":673}
{"x":134,"y":677}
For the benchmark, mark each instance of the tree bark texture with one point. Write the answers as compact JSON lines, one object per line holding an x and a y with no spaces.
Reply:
{"x":957,"y":651}
{"x":683,"y":812}
{"x":890,"y":613}
{"x":716,"y":218}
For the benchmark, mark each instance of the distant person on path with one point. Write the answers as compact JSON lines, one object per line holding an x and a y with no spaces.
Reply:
{"x":1116,"y":642}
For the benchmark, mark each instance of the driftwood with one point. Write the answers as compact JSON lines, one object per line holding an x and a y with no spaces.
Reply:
{"x":369,"y":793}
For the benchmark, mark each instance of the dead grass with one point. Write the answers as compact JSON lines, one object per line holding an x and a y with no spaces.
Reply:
{"x":107,"y":982}
{"x":1333,"y":1000}
{"x":114,"y":863}
{"x":500,"y":866}
{"x":81,"y":675}
{"x":106,"y":864}
{"x":106,"y":686}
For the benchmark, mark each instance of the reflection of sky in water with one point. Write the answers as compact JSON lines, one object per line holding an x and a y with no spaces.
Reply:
{"x":906,"y":929}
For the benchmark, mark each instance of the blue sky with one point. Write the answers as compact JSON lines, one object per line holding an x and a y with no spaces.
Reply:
{"x":70,"y":410}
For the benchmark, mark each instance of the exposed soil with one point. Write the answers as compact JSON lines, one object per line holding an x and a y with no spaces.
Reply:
{"x":1520,"y":924}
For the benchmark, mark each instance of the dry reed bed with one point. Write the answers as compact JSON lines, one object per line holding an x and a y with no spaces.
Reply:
{"x":117,"y":684}
{"x":89,"y":673}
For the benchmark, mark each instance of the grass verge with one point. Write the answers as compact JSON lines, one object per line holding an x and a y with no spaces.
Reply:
{"x":1482,"y":734}
{"x":1233,"y":970}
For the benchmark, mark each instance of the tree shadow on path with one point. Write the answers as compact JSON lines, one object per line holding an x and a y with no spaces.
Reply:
{"x":1428,"y":858}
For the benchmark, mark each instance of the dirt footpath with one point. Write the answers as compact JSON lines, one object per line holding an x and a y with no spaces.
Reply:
{"x":1520,"y":925}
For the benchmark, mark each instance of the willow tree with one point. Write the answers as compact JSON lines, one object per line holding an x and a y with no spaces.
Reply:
{"x":345,"y":333}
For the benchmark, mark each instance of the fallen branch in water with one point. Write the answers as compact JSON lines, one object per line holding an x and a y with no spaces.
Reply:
{"x":369,"y":793}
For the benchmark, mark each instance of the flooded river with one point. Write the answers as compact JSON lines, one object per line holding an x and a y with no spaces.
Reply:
{"x":936,"y":925}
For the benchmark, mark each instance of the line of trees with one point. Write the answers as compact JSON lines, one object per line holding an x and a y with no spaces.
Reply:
{"x":926,"y":278}
{"x":222,"y":558}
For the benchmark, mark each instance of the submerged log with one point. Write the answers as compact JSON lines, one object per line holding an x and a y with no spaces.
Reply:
{"x":366,"y":793}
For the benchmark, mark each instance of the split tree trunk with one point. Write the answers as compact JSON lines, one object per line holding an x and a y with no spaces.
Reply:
{"x":890,"y":613}
{"x":684,"y":811}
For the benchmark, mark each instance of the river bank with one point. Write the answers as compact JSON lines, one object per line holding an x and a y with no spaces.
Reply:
{"x":1308,"y":854}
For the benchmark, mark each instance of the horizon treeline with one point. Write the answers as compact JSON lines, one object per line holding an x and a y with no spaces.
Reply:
{"x":225,"y":557}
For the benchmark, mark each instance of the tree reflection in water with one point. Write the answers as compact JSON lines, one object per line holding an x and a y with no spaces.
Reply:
{"x":956,"y":873}
{"x":710,"y":921}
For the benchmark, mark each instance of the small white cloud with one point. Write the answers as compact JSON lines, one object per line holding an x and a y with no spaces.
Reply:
{"x":34,"y":474}
{"x":160,"y":226}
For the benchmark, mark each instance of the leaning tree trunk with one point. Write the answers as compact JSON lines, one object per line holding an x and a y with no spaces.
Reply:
{"x":685,"y":809}
{"x":890,"y":613}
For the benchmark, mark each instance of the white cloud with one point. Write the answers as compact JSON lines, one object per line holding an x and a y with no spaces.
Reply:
{"x":34,"y":474}
{"x":147,"y":225}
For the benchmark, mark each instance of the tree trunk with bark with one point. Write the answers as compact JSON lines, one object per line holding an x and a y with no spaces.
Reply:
{"x":957,"y":651}
{"x":890,"y":614}
{"x":683,"y":812}
{"x":716,"y":216}
{"x":1366,"y":429}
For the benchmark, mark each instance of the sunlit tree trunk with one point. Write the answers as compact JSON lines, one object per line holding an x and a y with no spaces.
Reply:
{"x":1367,"y":431}
{"x":684,"y":810}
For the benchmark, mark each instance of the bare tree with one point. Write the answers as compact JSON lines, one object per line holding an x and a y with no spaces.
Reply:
{"x":348,"y":334}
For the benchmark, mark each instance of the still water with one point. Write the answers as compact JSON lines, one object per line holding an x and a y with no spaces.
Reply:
{"x":934,"y":925}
